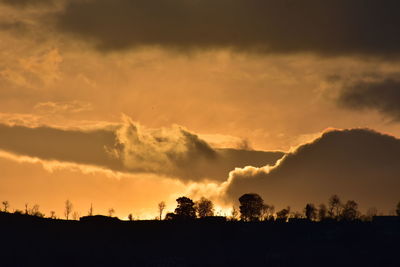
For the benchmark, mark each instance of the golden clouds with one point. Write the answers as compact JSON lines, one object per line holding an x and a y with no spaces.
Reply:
{"x":130,"y":148}
{"x":62,"y":107}
{"x":233,"y":73}
{"x":45,"y":66}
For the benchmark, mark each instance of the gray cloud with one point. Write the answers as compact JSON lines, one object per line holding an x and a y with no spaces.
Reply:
{"x":26,"y":3}
{"x":382,"y":95}
{"x":357,"y":164}
{"x":332,"y":27}
{"x":85,"y":147}
{"x":131,"y":148}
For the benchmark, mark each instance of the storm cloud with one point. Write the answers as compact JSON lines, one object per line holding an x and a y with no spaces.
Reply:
{"x":131,"y":148}
{"x":358,"y":164}
{"x":382,"y":95}
{"x":332,"y":27}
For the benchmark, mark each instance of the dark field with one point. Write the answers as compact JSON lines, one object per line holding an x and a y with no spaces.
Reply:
{"x":31,"y":241}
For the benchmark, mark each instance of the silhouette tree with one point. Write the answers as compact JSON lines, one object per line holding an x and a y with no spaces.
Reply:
{"x":204,"y":208}
{"x":17,"y":211}
{"x":90,"y":212}
{"x":26,"y":208}
{"x":296,"y":215}
{"x":283,"y":214}
{"x":53,"y":214}
{"x":130,"y":217}
{"x":264,"y":212}
{"x":398,"y":209}
{"x":310,"y":212}
{"x":267,"y":212}
{"x":350,"y":211}
{"x":35,"y":211}
{"x":111,"y":212}
{"x":161,"y":207}
{"x":6,"y":205}
{"x":234,"y":214}
{"x":219,"y":212}
{"x":185,"y":208}
{"x":334,"y":207}
{"x":322,"y":212}
{"x":67,"y":209}
{"x":251,"y":206}
{"x":75,"y":216}
{"x":170,"y":216}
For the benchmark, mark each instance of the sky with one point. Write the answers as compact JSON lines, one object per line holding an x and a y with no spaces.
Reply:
{"x":126,"y":103}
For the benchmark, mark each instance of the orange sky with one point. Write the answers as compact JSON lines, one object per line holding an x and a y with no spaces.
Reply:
{"x":54,"y":74}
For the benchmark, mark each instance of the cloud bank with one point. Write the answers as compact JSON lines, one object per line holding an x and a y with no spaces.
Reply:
{"x":381,"y":94}
{"x":357,"y":164}
{"x":332,"y":27}
{"x":131,"y":148}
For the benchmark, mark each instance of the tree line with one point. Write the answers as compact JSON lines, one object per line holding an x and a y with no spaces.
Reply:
{"x":252,"y":208}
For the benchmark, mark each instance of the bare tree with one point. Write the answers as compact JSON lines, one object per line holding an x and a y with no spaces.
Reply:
{"x":335,"y":206}
{"x":398,"y":209}
{"x":296,"y":215}
{"x":219,"y":212}
{"x":271,"y":212}
{"x":322,"y":212}
{"x":53,"y":214}
{"x":6,"y":205}
{"x":111,"y":212}
{"x":234,"y":214}
{"x":264,"y":212}
{"x":26,"y":208}
{"x":90,"y":212}
{"x":35,"y":209}
{"x":161,"y":207}
{"x":75,"y":216}
{"x":67,"y":209}
{"x":36,"y":212}
{"x":204,"y":207}
{"x":283,"y":214}
{"x":267,"y":212}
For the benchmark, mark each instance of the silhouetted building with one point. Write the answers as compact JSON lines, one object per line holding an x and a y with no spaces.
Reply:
{"x":386,"y":219}
{"x":99,"y":219}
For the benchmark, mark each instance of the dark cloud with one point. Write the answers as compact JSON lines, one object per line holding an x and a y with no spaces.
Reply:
{"x":357,"y":164}
{"x":129,"y":148}
{"x":329,"y":27}
{"x":381,"y":95}
{"x":26,"y":3}
{"x":62,"y":145}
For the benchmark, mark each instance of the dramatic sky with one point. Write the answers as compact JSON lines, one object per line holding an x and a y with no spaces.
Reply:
{"x":126,"y":103}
